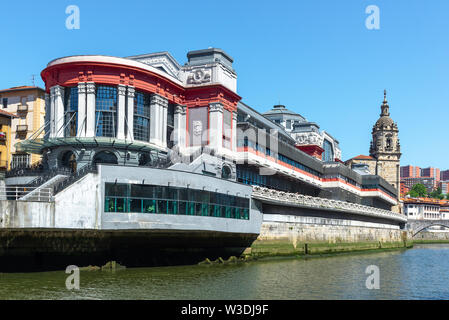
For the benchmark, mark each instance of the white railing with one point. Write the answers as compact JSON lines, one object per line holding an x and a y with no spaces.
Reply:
{"x":32,"y":194}
{"x":301,"y":200}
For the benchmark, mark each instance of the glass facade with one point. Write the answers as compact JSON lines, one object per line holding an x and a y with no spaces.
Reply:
{"x":142,"y":116}
{"x":245,"y":142}
{"x":71,"y":111}
{"x":153,"y":199}
{"x":106,"y":111}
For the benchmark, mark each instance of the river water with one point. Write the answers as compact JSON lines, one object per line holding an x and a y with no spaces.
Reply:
{"x":418,"y":273}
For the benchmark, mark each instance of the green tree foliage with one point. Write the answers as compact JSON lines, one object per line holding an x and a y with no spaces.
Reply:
{"x":418,"y":190}
{"x":437,"y":194}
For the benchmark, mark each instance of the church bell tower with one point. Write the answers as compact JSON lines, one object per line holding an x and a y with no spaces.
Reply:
{"x":385,"y":146}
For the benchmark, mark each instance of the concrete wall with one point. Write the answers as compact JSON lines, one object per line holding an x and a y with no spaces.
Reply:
{"x":26,"y":214}
{"x":78,"y":206}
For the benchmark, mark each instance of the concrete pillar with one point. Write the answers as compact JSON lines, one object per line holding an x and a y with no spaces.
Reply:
{"x":180,"y":127}
{"x":157,"y":124}
{"x":121,"y":111}
{"x":90,"y":109}
{"x":216,"y":125}
{"x":81,"y":130}
{"x":130,"y":113}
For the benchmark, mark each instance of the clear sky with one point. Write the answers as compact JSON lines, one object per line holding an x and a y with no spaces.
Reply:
{"x":316,"y":57}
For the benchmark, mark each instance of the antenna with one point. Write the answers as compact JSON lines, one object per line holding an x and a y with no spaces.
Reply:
{"x":32,"y":79}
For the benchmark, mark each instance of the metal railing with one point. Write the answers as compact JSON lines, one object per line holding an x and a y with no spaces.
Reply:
{"x":301,"y":200}
{"x":17,"y":193}
{"x":90,"y":168}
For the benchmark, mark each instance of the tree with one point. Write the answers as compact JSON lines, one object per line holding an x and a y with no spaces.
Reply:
{"x":418,"y":190}
{"x":447,"y":196}
{"x":437,"y":194}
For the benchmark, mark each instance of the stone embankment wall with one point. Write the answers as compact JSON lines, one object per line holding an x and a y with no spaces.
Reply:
{"x":430,"y":236}
{"x":300,"y":236}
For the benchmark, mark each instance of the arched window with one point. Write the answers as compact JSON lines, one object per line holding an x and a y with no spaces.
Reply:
{"x":142,"y":116}
{"x":71,"y":111}
{"x":106,"y":111}
{"x":68,"y":161}
{"x":328,"y":151}
{"x":105,"y":157}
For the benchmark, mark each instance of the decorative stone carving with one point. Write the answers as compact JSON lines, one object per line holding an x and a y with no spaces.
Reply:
{"x":307,"y":138}
{"x":197,"y":128}
{"x":121,"y":90}
{"x":199,"y":76}
{"x":90,"y":87}
{"x":213,"y":107}
{"x":131,"y":92}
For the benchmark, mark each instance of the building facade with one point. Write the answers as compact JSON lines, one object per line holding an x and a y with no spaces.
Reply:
{"x":5,"y":140}
{"x":27,"y":104}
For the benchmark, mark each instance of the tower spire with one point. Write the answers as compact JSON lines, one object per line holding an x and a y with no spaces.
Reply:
{"x":385,"y":107}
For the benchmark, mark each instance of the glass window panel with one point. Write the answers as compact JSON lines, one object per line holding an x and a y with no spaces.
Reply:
{"x":105,"y":111}
{"x":198,"y":124}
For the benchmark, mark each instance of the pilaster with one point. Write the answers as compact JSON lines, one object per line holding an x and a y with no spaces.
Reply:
{"x":216,"y":125}
{"x":121,"y":111}
{"x":157,"y":125}
{"x":130,"y":113}
{"x":81,"y":109}
{"x":90,"y":109}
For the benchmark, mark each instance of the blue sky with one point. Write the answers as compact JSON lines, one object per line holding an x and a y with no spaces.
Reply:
{"x":316,"y":57}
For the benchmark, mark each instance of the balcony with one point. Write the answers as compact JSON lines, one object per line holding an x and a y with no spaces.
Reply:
{"x":22,"y":107}
{"x":22,"y":128}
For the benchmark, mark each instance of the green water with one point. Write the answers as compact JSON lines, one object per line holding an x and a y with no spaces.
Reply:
{"x":418,"y":273}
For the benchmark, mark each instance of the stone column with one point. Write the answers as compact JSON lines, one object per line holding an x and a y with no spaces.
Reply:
{"x":234,"y":131}
{"x":59,"y":111}
{"x":130,"y":113}
{"x":90,"y":109}
{"x":121,"y":111}
{"x":157,"y":124}
{"x":81,"y":110}
{"x":216,"y":125}
{"x":180,"y":128}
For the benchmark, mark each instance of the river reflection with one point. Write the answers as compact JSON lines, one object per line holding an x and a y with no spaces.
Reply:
{"x":418,"y":273}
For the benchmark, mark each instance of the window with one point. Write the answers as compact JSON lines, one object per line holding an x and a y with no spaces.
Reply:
{"x":142,"y":116}
{"x":328,"y":151}
{"x":71,"y":111}
{"x":5,"y":103}
{"x":153,"y":199}
{"x":227,"y":125}
{"x":106,"y":111}
{"x":20,"y":161}
{"x":170,"y":124}
{"x":288,"y":124}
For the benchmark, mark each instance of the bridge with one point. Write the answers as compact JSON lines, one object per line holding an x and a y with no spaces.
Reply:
{"x":416,"y":226}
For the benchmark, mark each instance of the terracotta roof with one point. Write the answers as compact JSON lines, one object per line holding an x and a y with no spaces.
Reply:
{"x":21,"y":88}
{"x":5,"y":113}
{"x":362,"y":157}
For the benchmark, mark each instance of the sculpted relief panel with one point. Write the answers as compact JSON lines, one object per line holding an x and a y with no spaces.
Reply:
{"x":306,"y":138}
{"x":199,"y":76}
